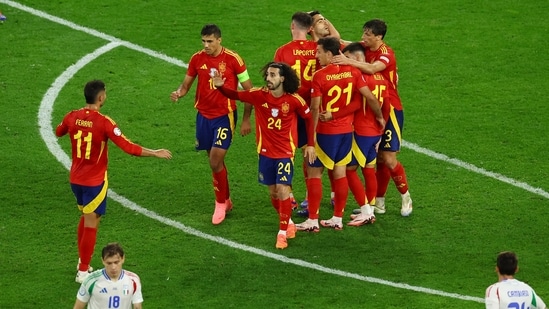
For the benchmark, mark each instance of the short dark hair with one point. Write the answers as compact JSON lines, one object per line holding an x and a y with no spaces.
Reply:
{"x":330,"y":44}
{"x":92,"y":90}
{"x":210,"y":29}
{"x":112,"y":249}
{"x":377,"y":26}
{"x":313,"y":13}
{"x":302,"y":20}
{"x":291,"y":80}
{"x":354,"y":47}
{"x":507,"y":263}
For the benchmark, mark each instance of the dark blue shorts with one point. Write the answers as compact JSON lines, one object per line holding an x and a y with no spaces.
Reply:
{"x":91,"y":199}
{"x":364,"y":150}
{"x":275,"y":171}
{"x":332,"y":150}
{"x":217,"y":132}
{"x":392,"y":135}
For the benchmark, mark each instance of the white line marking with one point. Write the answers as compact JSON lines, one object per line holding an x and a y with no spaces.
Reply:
{"x":46,"y":130}
{"x":472,"y":168}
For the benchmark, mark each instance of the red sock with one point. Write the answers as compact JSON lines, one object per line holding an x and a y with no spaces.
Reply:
{"x":356,"y":187}
{"x":227,"y":189}
{"x":80,"y":232}
{"x":276,"y":204}
{"x":331,"y":177}
{"x":220,"y":185}
{"x":341,"y":187}
{"x":86,"y":247}
{"x":399,"y":177}
{"x":383,"y":175}
{"x":285,"y":214}
{"x":371,"y":184}
{"x":314,"y":191}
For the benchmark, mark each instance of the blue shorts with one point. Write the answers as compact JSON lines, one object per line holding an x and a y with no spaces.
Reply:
{"x":217,"y":132}
{"x":364,"y":150}
{"x":91,"y":199}
{"x":332,"y":150}
{"x":392,"y":135}
{"x":275,"y":171}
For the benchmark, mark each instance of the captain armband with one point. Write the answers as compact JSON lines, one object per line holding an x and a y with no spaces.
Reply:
{"x":244,"y":76}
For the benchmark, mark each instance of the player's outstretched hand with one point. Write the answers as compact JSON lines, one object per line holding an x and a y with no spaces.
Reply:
{"x":217,"y":79}
{"x":162,"y":153}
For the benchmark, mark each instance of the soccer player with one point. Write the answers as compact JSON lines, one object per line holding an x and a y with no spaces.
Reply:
{"x":300,"y":55}
{"x":276,"y":108}
{"x":509,"y":292}
{"x":381,"y":58}
{"x":322,"y":28}
{"x":216,"y":115}
{"x":112,"y":286}
{"x":367,"y":134}
{"x":333,"y":89}
{"x":89,"y":131}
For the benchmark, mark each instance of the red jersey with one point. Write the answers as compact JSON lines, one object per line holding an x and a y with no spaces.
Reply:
{"x":210,"y":103}
{"x":89,"y":131}
{"x":276,"y":121}
{"x":336,"y":85}
{"x":386,"y":55}
{"x":365,"y":122}
{"x":300,"y":55}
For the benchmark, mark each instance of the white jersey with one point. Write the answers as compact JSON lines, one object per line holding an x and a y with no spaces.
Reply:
{"x":511,"y":294}
{"x":100,"y":292}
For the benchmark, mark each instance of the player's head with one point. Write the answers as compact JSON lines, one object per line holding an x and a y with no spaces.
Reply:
{"x":302,"y":21}
{"x":326,"y":49}
{"x":355,"y":51}
{"x":507,"y":263}
{"x":320,"y":27}
{"x":211,"y":39}
{"x":279,"y":74}
{"x":112,"y":257}
{"x":373,"y":31}
{"x":95,"y":92}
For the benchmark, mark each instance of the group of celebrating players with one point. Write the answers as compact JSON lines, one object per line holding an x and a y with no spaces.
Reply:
{"x":335,"y":99}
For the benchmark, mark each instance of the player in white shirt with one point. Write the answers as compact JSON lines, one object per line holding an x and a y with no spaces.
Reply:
{"x":508,"y":292}
{"x":112,"y":286}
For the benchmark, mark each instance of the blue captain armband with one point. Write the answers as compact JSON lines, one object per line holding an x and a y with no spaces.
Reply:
{"x":244,"y":76}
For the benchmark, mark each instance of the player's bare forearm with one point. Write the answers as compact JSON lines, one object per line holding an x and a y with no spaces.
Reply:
{"x":246,"y":127}
{"x":159,"y":153}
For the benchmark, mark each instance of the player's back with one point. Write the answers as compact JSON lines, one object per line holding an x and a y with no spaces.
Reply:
{"x":337,"y":85}
{"x":300,"y":55}
{"x":365,"y":122}
{"x":88,"y":135}
{"x":512,"y":293}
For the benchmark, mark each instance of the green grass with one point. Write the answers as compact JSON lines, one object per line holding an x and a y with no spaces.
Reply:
{"x":472,"y":77}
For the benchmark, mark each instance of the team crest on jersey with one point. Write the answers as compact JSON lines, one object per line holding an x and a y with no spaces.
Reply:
{"x":222,"y":67}
{"x":285,"y":107}
{"x":274,"y":112}
{"x":126,"y":289}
